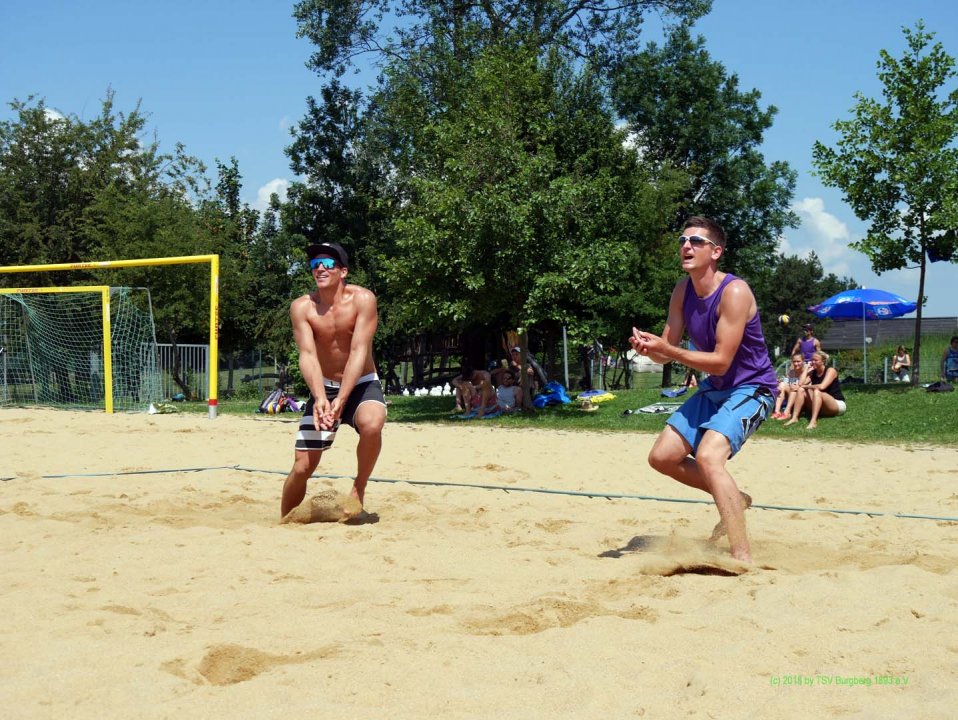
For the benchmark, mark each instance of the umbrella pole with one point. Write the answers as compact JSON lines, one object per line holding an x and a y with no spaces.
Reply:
{"x":864,"y":345}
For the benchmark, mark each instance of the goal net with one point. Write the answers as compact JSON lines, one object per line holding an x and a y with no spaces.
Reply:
{"x":81,"y":347}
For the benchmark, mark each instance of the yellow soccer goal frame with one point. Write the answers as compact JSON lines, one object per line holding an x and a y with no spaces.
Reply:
{"x":214,"y":263}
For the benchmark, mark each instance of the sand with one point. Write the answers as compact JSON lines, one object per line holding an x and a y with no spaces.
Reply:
{"x":179,"y":594}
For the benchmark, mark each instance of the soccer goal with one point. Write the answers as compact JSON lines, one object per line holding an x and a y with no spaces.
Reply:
{"x":82,"y":347}
{"x":50,"y":370}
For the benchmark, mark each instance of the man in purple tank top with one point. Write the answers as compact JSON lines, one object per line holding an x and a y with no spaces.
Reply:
{"x":807,"y":345}
{"x":719,"y":313}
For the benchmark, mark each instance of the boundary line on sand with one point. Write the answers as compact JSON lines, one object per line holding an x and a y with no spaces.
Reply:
{"x":503,"y":488}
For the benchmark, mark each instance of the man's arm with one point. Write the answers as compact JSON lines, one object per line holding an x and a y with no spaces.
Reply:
{"x":308,"y":358}
{"x":735,"y":308}
{"x":360,"y":347}
{"x":671,"y":333}
{"x":796,"y":348}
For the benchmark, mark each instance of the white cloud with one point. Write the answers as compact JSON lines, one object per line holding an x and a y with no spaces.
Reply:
{"x":284,"y":122}
{"x":278,"y":186}
{"x":53,"y":115}
{"x":821,"y":233}
{"x":828,"y":236}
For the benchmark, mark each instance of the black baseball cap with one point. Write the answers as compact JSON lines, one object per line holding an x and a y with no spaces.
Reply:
{"x":334,"y":250}
{"x":808,"y":326}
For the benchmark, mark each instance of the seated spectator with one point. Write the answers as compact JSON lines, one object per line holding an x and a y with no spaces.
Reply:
{"x":508,"y":394}
{"x":515,"y":365}
{"x":901,"y":365}
{"x":949,"y":361}
{"x":820,"y":393}
{"x":788,"y":388}
{"x":498,"y":370}
{"x":473,"y":391}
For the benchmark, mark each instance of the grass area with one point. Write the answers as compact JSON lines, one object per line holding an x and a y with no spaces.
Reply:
{"x":876,"y":414}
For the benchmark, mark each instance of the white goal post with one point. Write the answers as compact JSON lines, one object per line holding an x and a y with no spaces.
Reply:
{"x":214,"y":263}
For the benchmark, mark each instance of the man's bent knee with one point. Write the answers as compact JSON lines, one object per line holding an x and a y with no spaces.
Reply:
{"x":369,"y":419}
{"x":663,"y":461}
{"x":305,"y":462}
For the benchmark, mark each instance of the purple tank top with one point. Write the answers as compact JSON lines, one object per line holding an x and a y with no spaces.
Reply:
{"x":751,"y":365}
{"x":807,"y":347}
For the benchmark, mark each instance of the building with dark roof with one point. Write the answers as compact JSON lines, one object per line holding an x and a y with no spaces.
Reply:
{"x":848,"y":334}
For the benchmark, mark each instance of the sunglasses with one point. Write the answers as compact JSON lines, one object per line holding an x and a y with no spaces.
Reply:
{"x":695,"y":241}
{"x":325,"y":262}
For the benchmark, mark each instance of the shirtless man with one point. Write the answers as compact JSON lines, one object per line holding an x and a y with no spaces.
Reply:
{"x":334,"y":327}
{"x":721,"y":317}
{"x":473,"y":391}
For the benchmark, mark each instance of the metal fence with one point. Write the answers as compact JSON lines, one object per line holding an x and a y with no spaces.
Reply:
{"x":194,"y":369}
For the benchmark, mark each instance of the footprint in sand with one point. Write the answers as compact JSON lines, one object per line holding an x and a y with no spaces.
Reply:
{"x":231,"y":664}
{"x":327,"y":506}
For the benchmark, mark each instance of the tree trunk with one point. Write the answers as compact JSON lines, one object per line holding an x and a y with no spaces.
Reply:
{"x":175,"y":372}
{"x":916,"y":351}
{"x":231,"y":362}
{"x":523,"y":375}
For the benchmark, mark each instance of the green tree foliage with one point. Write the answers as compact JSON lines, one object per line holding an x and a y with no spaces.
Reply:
{"x":686,"y":114}
{"x":58,"y":175}
{"x":524,"y":206}
{"x":897,"y":164}
{"x":788,"y":287}
{"x":397,"y":30}
{"x":345,"y":167}
{"x":76,"y":191}
{"x":510,"y":200}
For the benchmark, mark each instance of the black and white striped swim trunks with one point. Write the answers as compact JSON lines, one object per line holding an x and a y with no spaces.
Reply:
{"x":368,"y":389}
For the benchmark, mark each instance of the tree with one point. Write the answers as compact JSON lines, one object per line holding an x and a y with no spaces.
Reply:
{"x":600,"y":31}
{"x":525,"y":208}
{"x":686,"y":114}
{"x":897,"y":164}
{"x":510,"y":198}
{"x":76,"y":191}
{"x":788,"y":287}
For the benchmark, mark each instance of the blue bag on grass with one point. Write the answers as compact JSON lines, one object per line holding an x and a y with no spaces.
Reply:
{"x":552,"y":394}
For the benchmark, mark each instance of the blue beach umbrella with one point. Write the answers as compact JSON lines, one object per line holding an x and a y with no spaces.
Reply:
{"x":863,"y":304}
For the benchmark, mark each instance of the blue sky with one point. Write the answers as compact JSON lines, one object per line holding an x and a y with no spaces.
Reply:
{"x":228,"y":78}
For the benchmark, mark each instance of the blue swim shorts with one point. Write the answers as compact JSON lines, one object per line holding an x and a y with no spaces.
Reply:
{"x":735,"y":413}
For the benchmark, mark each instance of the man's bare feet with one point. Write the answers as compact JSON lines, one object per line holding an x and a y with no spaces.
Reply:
{"x":719,"y":530}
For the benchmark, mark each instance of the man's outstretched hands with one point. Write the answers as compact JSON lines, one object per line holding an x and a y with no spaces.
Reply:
{"x":645,"y":343}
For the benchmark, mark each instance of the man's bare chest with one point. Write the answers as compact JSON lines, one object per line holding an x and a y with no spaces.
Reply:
{"x":333,"y":324}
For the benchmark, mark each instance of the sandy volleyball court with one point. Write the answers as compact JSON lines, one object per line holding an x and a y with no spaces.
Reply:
{"x":178,"y":594}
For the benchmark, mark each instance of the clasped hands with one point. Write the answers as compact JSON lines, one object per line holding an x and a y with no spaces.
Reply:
{"x":645,"y":343}
{"x":325,"y":413}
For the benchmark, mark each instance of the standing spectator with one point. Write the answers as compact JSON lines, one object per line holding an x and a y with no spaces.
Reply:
{"x":949,"y":361}
{"x":808,"y":344}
